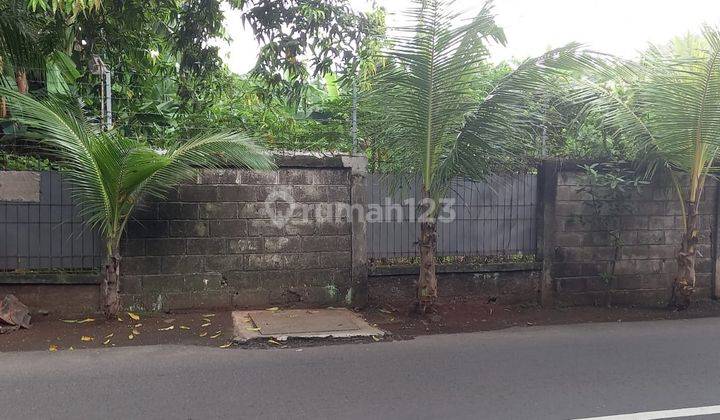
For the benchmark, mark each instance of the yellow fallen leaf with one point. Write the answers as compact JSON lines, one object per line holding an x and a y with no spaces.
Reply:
{"x":226,"y":345}
{"x":167,"y":328}
{"x":252,"y":329}
{"x":209,"y":315}
{"x":274,"y":308}
{"x":130,"y":337}
{"x":110,"y":335}
{"x":120,"y":319}
{"x":86,"y":338}
{"x":385,"y":311}
{"x":106,"y":342}
{"x":184,"y":327}
{"x":271,"y":341}
{"x":216,"y":335}
{"x":70,"y":321}
{"x":207,"y":319}
{"x":86,"y":320}
{"x":135,"y":317}
{"x":71,"y":348}
{"x":376,"y":338}
{"x":53,"y":348}
{"x":207,"y":324}
{"x":135,"y":332}
{"x":203,"y":334}
{"x":138,"y":325}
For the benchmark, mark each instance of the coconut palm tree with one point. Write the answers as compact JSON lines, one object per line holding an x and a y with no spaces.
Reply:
{"x":111,"y":173}
{"x":669,"y":109}
{"x":427,"y":117}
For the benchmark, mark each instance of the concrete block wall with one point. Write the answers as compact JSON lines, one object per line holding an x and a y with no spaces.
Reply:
{"x":212,"y":242}
{"x":650,"y":227}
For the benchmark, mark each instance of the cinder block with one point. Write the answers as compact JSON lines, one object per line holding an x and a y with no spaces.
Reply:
{"x":188,"y":228}
{"x":334,"y":259}
{"x":163,"y":283}
{"x":325,"y":243}
{"x":281,"y":261}
{"x":206,"y":246}
{"x":237,"y":193}
{"x":245,"y":245}
{"x":198,"y":193}
{"x":281,"y":244}
{"x":309,"y":194}
{"x":258,"y":178}
{"x":228,"y":228}
{"x":140,"y":265}
{"x":184,"y":264}
{"x":292,"y":176}
{"x":224,"y":263}
{"x":219,"y":176}
{"x":165,"y":246}
{"x":218,"y":211}
{"x":178,"y":211}
{"x":256,"y":210}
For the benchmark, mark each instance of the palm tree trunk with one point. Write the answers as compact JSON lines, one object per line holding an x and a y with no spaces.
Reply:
{"x":427,"y":284}
{"x":110,"y":288}
{"x":684,"y":284}
{"x":21,"y":81}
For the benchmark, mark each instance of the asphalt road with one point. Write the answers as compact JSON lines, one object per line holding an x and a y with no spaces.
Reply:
{"x":558,"y":372}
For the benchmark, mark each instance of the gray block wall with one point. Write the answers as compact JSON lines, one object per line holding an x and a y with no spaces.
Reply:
{"x":650,"y":228}
{"x":212,"y":242}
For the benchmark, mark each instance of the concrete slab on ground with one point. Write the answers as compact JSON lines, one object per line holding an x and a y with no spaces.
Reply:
{"x":300,"y":323}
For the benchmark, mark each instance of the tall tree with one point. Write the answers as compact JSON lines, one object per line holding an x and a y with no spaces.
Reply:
{"x":670,"y":112}
{"x":431,"y":121}
{"x":112,"y":173}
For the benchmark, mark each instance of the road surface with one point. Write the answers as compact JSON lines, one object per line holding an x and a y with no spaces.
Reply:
{"x":558,"y":372}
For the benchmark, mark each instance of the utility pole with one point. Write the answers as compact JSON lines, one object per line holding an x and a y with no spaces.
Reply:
{"x":98,"y":67}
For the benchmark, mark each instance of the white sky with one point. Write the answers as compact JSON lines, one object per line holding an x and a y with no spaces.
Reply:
{"x":620,"y":27}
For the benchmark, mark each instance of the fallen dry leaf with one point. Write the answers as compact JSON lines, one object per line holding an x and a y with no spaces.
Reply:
{"x":184,"y":327}
{"x":53,"y":348}
{"x":120,"y":319}
{"x":86,"y":338}
{"x":138,"y":325}
{"x":167,"y":328}
{"x":169,"y":320}
{"x":130,"y":337}
{"x":135,"y":332}
{"x":226,"y":345}
{"x":209,"y":315}
{"x":86,"y":320}
{"x":203,"y":334}
{"x":274,"y":308}
{"x":376,"y":338}
{"x":70,"y":321}
{"x":106,"y":342}
{"x":207,"y":319}
{"x":110,"y":335}
{"x":271,"y":341}
{"x":134,"y":317}
{"x":216,"y":335}
{"x":252,"y":329}
{"x":207,"y":324}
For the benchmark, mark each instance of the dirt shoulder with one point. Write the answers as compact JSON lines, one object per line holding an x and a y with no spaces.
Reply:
{"x":215,"y":328}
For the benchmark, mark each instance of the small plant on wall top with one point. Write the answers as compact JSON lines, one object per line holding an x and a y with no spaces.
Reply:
{"x":609,"y":188}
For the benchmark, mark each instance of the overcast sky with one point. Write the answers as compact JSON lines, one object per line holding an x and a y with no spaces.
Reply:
{"x":621,"y":27}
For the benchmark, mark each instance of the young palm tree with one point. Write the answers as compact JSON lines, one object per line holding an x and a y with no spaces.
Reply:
{"x":429,"y":120}
{"x":670,"y":110}
{"x":111,"y":174}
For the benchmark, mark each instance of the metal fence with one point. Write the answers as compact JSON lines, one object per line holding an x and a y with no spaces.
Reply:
{"x":492,"y":218}
{"x":47,"y":235}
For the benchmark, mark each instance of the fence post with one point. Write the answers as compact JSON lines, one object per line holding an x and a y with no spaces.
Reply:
{"x":715,"y":292}
{"x":547,"y":196}
{"x":358,"y":202}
